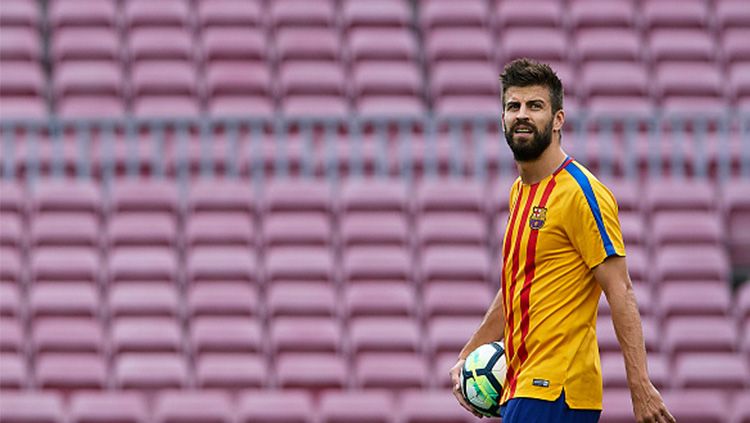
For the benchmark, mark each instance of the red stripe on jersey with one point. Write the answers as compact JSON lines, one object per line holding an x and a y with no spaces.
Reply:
{"x":529,"y":272}
{"x":506,"y":247}
{"x":514,"y":272}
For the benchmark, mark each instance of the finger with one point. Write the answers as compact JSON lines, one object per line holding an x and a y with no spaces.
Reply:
{"x":461,"y":400}
{"x":669,"y":418}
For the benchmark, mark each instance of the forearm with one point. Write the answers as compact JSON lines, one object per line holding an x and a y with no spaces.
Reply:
{"x":627,"y":324}
{"x":491,"y":329}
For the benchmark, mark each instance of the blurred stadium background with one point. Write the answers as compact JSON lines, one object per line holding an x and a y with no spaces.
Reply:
{"x":289,"y":210}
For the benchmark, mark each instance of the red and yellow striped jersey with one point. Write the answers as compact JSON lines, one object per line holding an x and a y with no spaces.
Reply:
{"x":558,"y":230}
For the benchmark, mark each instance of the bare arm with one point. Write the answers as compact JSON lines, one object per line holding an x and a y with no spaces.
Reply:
{"x":491,"y":329}
{"x":613,"y":276}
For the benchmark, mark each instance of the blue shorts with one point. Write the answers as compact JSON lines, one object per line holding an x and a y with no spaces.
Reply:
{"x":531,"y":410}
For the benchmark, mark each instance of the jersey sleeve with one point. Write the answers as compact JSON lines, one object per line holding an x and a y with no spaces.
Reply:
{"x":594,"y":230}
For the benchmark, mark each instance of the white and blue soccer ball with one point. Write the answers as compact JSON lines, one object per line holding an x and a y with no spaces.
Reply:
{"x":482,"y":378}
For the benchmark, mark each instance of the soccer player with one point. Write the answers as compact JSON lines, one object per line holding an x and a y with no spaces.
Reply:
{"x":562,"y":248}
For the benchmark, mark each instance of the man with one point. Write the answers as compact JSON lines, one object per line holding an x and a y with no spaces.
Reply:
{"x":561,"y":249}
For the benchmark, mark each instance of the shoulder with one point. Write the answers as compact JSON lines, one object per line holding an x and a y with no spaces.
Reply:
{"x":582,"y":186}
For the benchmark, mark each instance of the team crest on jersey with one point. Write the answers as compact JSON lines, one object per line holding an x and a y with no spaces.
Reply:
{"x":538,"y":217}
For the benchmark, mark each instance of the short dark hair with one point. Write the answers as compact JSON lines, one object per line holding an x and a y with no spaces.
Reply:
{"x":526,"y":72}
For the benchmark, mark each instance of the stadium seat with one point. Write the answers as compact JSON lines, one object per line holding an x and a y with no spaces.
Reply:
{"x":512,"y":13}
{"x":698,"y":334}
{"x":594,"y":14}
{"x":741,"y":408}
{"x":458,"y":44}
{"x":693,"y":299}
{"x":163,"y":78}
{"x":151,"y":371}
{"x":222,"y":299}
{"x":464,"y":79}
{"x":456,"y":299}
{"x":283,"y":405}
{"x":626,"y":80}
{"x":307,"y":44}
{"x":221,"y":44}
{"x":220,"y":229}
{"x":66,"y":335}
{"x":197,"y":406}
{"x":668,"y":228}
{"x":11,"y":230}
{"x":451,"y":229}
{"x":231,"y":371}
{"x":299,"y":263}
{"x":381,"y":78}
{"x":374,"y":406}
{"x":121,"y":406}
{"x":731,"y":14}
{"x":141,"y":230}
{"x":614,"y":375}
{"x":383,"y":334}
{"x":66,"y":372}
{"x":376,"y":263}
{"x":70,"y":45}
{"x":241,"y":80}
{"x":383,"y":14}
{"x":632,"y":228}
{"x":23,"y":107}
{"x":229,"y":14}
{"x":301,"y":300}
{"x":146,"y":335}
{"x":300,"y":14}
{"x":454,"y":263}
{"x":690,"y":263}
{"x":739,"y":83}
{"x":21,"y":13}
{"x":435,"y":406}
{"x":726,"y":371}
{"x":673,"y":14}
{"x":680,"y":44}
{"x":221,"y":264}
{"x":311,"y":371}
{"x":63,"y":300}
{"x":143,"y":299}
{"x":617,"y":405}
{"x":19,"y":44}
{"x":297,"y":196}
{"x":449,"y":334}
{"x":304,"y":335}
{"x":66,"y":196}
{"x":439,"y":14}
{"x":379,"y":299}
{"x":290,"y":229}
{"x":381,"y":44}
{"x":144,"y":13}
{"x":376,"y":196}
{"x":146,"y":264}
{"x":82,"y":13}
{"x":688,"y":81}
{"x":11,"y":269}
{"x":14,"y":372}
{"x":390,"y":371}
{"x":64,"y":264}
{"x":224,"y":196}
{"x":449,"y":196}
{"x":41,"y":407}
{"x":13,"y":198}
{"x":64,"y":230}
{"x":374,"y":229}
{"x":10,"y":300}
{"x":12,"y":339}
{"x":163,"y":44}
{"x":621,"y":45}
{"x":676,"y":196}
{"x":697,"y":405}
{"x":144,"y":196}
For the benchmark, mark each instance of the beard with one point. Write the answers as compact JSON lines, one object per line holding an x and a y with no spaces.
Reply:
{"x":530,"y":150}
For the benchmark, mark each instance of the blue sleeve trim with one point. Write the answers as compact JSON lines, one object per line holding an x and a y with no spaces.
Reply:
{"x":588,"y":191}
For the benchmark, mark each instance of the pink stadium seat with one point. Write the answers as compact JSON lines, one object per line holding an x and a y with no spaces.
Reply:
{"x":21,"y":79}
{"x":376,"y":263}
{"x":86,"y":44}
{"x":300,"y":13}
{"x":454,"y":263}
{"x":64,"y":230}
{"x":70,"y":371}
{"x":698,"y":334}
{"x":733,"y":49}
{"x":67,"y":335}
{"x":688,"y":80}
{"x":225,"y":196}
{"x":233,"y":44}
{"x":605,"y":333}
{"x":168,"y":13}
{"x":459,"y":44}
{"x":165,"y":107}
{"x":451,"y":229}
{"x":465,"y":79}
{"x":220,"y":229}
{"x":222,"y":299}
{"x":449,"y":196}
{"x":23,"y":107}
{"x":435,"y":14}
{"x":614,"y":375}
{"x":20,"y":13}
{"x":10,"y":300}
{"x":407,"y":106}
{"x":163,"y":78}
{"x":12,"y":338}
{"x":315,"y":106}
{"x":275,"y":406}
{"x":373,"y":406}
{"x":690,"y":263}
{"x":82,"y":13}
{"x":668,"y":228}
{"x":383,"y":334}
{"x":231,"y":371}
{"x":13,"y":197}
{"x":726,"y":371}
{"x":19,"y":44}
{"x":739,"y":82}
{"x":297,"y":196}
{"x":299,"y":263}
{"x":103,"y":406}
{"x":617,"y":406}
{"x":66,"y":196}
{"x":632,"y":226}
{"x":38,"y":407}
{"x":697,"y":405}
{"x":681,"y":44}
{"x":379,"y":299}
{"x":301,"y":299}
{"x":741,"y":408}
{"x":64,"y":264}
{"x":390,"y":371}
{"x":456,"y":299}
{"x":225,"y":335}
{"x":11,"y":270}
{"x":317,"y":44}
{"x":513,"y":13}
{"x":591,"y":13}
{"x":732,"y":14}
{"x":373,"y":196}
{"x":627,"y":79}
{"x":63,"y":300}
{"x":389,"y":13}
{"x":608,"y":44}
{"x":314,"y":78}
{"x":676,"y":196}
{"x":149,"y":264}
{"x":374,"y":229}
{"x":287,"y":229}
{"x":13,"y":371}
{"x":673,"y":14}
{"x":221,"y":264}
{"x":238,"y":81}
{"x":141,"y":230}
{"x":146,"y":335}
{"x":311,"y":371}
{"x":229,"y":13}
{"x":434,"y":406}
{"x":193,"y":406}
{"x":143,"y":299}
{"x":151,"y":371}
{"x":156,"y":43}
{"x":144,"y":196}
{"x":386,"y":78}
{"x":384,"y":44}
{"x":305,"y":335}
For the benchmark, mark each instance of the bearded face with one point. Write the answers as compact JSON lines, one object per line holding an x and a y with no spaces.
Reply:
{"x":527,"y":141}
{"x":528,"y":121}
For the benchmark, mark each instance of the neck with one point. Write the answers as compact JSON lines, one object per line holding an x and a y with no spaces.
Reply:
{"x":534,"y":171}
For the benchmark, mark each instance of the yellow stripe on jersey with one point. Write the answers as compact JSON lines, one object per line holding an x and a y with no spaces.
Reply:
{"x":558,"y":230}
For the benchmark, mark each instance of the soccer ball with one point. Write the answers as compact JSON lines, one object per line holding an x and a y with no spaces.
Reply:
{"x":482,"y":378}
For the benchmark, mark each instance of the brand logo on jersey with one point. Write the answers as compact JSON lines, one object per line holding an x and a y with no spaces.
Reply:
{"x":538,"y":217}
